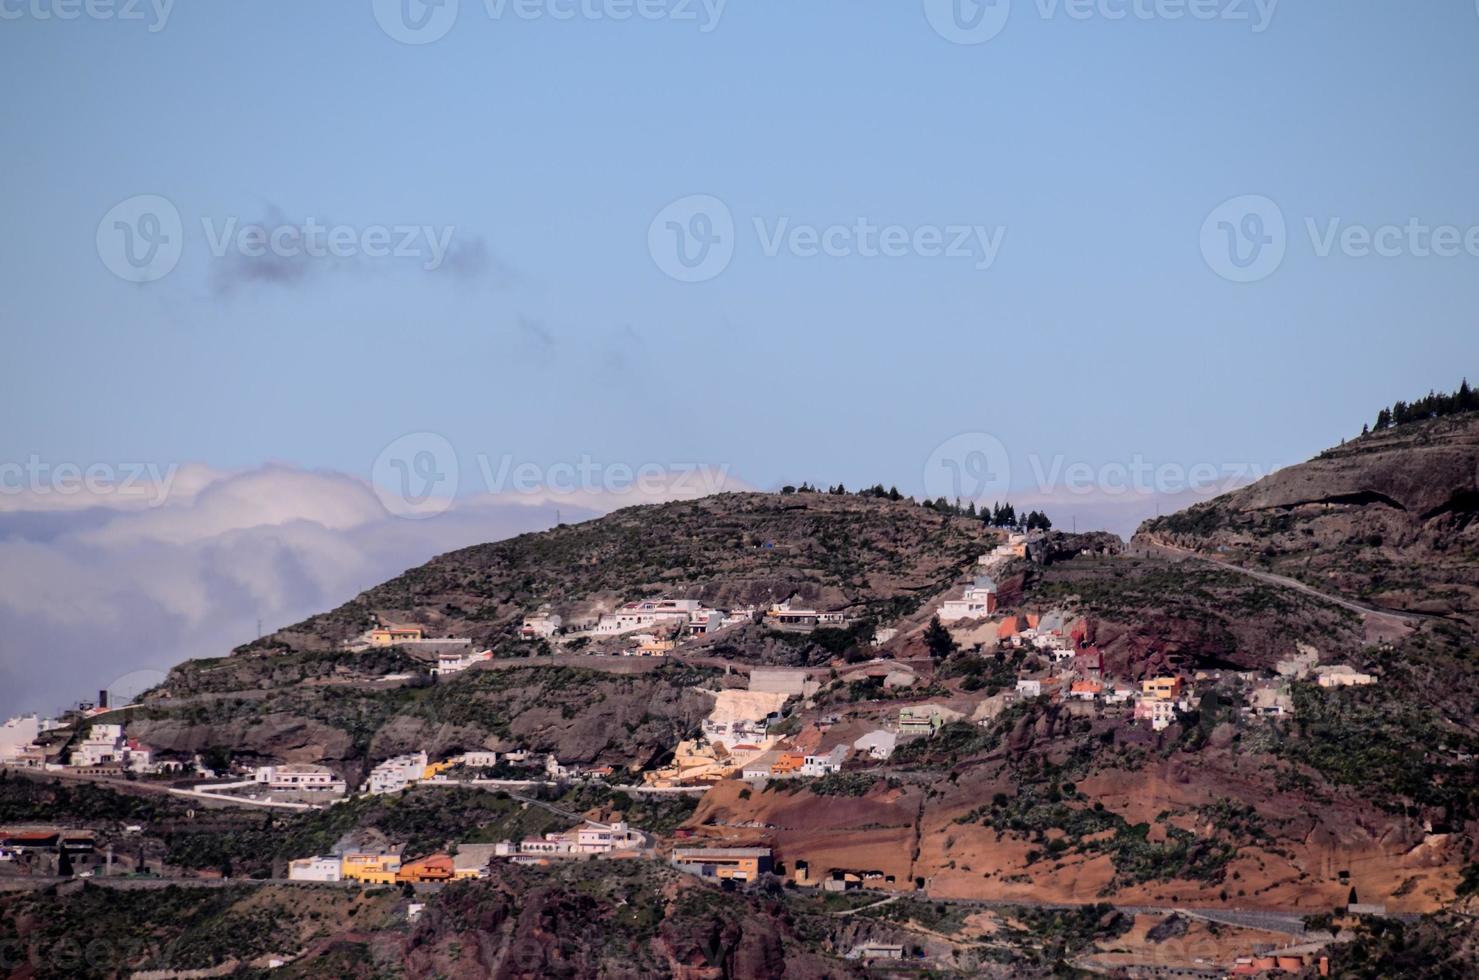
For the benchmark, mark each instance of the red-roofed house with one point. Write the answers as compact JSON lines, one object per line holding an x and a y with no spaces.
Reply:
{"x":1086,"y":690}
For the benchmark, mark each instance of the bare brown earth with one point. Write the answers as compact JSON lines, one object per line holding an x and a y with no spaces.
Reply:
{"x":1299,"y":871}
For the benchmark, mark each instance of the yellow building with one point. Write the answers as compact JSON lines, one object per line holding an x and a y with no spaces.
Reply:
{"x":743,"y":863}
{"x":436,"y":769}
{"x":375,"y":869}
{"x":1161,"y":688}
{"x":389,"y":636}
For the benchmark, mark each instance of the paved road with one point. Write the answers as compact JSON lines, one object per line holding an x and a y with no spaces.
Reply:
{"x":1289,"y":921}
{"x":1402,"y":616}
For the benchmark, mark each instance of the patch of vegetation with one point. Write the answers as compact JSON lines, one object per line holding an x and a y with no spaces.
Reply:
{"x":847,"y":784}
{"x":1395,"y":750}
{"x":92,"y":934}
{"x":24,"y":799}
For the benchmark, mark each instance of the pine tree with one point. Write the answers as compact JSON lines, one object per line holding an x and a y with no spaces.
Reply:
{"x":938,"y":639}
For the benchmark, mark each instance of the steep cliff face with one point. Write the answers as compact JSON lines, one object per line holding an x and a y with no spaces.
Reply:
{"x":1388,"y":519}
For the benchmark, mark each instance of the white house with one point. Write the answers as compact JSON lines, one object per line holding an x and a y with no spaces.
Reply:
{"x":1271,"y":701}
{"x":106,"y":745}
{"x":878,"y":744}
{"x":824,"y":763}
{"x":648,"y":613}
{"x":540,"y":626}
{"x":394,"y":775}
{"x":601,"y":839}
{"x":480,"y":760}
{"x":326,"y":868}
{"x":1342,"y":675}
{"x":978,"y":602}
{"x":302,"y":777}
{"x":1029,"y":687}
{"x":454,"y":661}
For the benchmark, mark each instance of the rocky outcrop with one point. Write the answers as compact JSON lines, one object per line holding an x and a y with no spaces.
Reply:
{"x":1388,"y":519}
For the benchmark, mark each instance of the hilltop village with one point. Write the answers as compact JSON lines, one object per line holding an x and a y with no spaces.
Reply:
{"x":777,"y":725}
{"x":857,"y":700}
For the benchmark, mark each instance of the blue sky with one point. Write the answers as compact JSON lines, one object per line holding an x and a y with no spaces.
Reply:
{"x":1110,"y":331}
{"x":1098,"y":334}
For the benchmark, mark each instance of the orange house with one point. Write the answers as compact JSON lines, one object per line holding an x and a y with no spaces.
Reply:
{"x":1009,"y":628}
{"x":1161,"y":688}
{"x":789,"y":762}
{"x":437,"y":867}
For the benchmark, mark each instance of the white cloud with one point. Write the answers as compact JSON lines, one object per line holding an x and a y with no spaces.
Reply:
{"x":97,"y":586}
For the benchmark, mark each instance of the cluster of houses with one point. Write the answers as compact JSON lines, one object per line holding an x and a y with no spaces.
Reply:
{"x":387,"y":867}
{"x":590,"y":839}
{"x":737,"y":740}
{"x":1074,"y":669}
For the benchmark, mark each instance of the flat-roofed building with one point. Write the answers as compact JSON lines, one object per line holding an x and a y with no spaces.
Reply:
{"x":323,"y":868}
{"x":377,"y":868}
{"x":741,"y":863}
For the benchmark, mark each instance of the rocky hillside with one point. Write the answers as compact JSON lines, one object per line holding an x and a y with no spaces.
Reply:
{"x":1388,"y":519}
{"x":296,"y":695}
{"x":863,"y":554}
